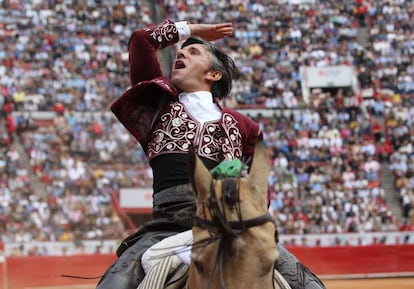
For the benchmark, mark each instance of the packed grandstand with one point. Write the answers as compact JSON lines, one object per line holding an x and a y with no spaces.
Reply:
{"x":343,"y":155}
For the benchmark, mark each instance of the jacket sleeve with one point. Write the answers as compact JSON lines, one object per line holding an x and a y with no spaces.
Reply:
{"x":139,"y":105}
{"x":252,"y":132}
{"x":143,"y":45}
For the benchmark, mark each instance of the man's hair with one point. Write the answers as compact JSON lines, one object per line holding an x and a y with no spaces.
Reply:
{"x":220,"y":61}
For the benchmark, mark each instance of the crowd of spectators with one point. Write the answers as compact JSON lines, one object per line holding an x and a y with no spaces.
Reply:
{"x":400,"y":134}
{"x":70,"y":58}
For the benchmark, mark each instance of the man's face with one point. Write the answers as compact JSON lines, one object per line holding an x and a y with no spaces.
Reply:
{"x":191,"y":69}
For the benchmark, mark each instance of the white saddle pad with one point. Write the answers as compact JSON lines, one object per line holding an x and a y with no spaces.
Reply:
{"x":178,"y":245}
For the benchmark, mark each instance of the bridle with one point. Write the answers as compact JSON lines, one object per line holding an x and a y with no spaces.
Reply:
{"x":218,"y":226}
{"x":230,"y":197}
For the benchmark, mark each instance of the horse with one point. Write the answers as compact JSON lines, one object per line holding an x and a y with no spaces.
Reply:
{"x":233,"y":241}
{"x":234,"y":236}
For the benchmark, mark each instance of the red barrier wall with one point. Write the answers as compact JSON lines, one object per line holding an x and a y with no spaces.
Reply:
{"x":373,"y":259}
{"x":24,"y":272}
{"x":1,"y":276}
{"x":41,"y":271}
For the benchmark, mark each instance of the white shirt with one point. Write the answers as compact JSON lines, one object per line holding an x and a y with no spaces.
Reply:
{"x":201,"y":106}
{"x":184,"y":31}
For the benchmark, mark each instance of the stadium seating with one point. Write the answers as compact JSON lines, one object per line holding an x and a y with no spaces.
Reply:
{"x":58,"y":174}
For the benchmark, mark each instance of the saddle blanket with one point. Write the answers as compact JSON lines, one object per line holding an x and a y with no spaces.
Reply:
{"x":178,"y":247}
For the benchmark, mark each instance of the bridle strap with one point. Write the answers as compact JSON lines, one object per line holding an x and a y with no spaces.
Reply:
{"x":240,"y":225}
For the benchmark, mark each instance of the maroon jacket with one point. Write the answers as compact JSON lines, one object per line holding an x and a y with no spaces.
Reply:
{"x":152,"y":94}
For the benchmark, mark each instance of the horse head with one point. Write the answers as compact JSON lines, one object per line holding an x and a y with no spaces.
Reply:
{"x":234,"y":244}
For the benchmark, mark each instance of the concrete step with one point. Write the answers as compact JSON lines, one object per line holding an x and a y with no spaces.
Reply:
{"x":35,"y":184}
{"x":166,"y":56}
{"x":363,"y":36}
{"x":391,"y":194}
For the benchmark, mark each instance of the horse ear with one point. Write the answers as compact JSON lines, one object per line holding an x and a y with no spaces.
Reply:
{"x":200,"y":178}
{"x":260,"y":167}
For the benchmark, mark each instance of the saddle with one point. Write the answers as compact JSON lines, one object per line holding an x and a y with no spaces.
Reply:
{"x":166,"y":264}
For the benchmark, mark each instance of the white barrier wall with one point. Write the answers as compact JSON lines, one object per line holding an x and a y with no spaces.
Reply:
{"x":110,"y":246}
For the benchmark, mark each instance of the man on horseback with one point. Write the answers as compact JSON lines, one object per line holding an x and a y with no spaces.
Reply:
{"x":168,"y":117}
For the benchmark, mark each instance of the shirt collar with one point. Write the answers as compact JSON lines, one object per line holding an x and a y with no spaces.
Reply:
{"x":202,"y":97}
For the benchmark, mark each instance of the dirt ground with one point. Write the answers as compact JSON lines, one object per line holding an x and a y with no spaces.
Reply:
{"x":379,"y":283}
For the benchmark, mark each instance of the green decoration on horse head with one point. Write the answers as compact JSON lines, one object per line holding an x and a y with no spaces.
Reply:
{"x":229,"y":168}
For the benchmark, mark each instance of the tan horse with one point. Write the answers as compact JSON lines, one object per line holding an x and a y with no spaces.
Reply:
{"x":234,"y":244}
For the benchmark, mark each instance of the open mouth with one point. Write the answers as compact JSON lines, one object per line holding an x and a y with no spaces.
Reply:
{"x":179,"y":64}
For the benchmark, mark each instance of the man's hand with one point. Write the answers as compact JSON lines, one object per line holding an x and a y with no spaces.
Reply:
{"x":211,"y":32}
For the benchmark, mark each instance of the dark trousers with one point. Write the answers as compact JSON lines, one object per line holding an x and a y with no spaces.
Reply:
{"x":173,"y":213}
